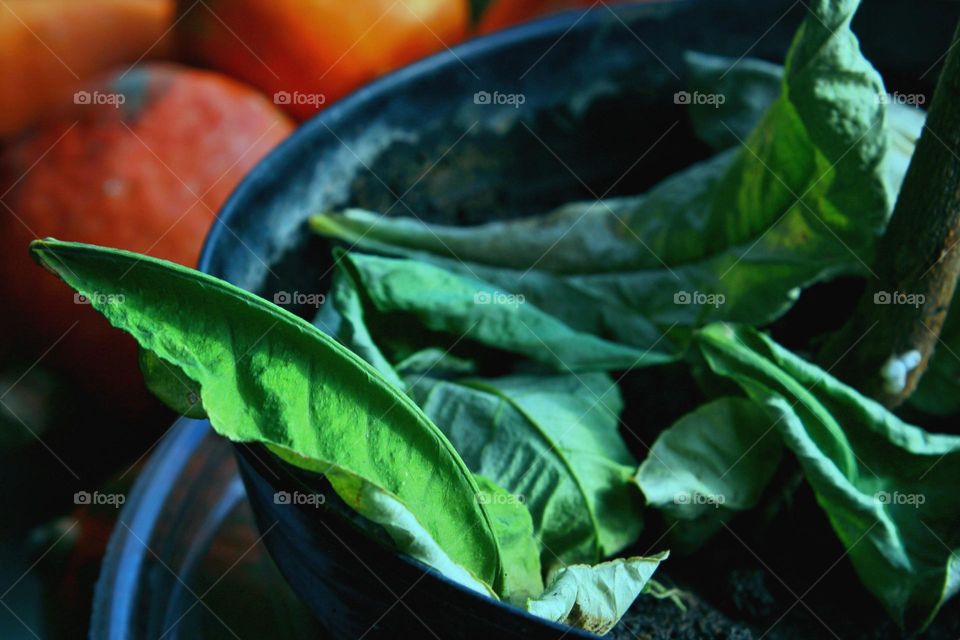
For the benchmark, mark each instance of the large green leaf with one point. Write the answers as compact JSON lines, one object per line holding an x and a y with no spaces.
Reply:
{"x":267,"y":376}
{"x":461,"y":306}
{"x":554,"y":441}
{"x":711,"y":463}
{"x":801,"y":200}
{"x":888,"y":488}
{"x":595,"y":597}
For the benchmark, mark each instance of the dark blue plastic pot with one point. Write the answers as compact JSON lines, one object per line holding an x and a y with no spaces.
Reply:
{"x":597,"y":97}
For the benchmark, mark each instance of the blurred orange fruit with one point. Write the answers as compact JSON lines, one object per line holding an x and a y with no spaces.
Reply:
{"x":310,"y":53}
{"x":142,"y":162}
{"x":50,"y":48}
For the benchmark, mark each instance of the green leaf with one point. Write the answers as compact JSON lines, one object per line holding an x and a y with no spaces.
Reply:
{"x":711,"y":463}
{"x":554,"y":441}
{"x":437,"y":362}
{"x":749,"y":86}
{"x":513,"y":527}
{"x":595,"y":597}
{"x":733,"y":238}
{"x":267,"y":376}
{"x":346,"y":319}
{"x":887,"y":487}
{"x":579,"y":307}
{"x":458,"y":305}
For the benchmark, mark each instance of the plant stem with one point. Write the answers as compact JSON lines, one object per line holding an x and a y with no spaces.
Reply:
{"x":888,"y":337}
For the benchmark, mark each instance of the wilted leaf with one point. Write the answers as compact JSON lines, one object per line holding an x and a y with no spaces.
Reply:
{"x":552,"y":440}
{"x":595,"y":597}
{"x":711,"y":463}
{"x":887,"y":487}
{"x":461,"y":306}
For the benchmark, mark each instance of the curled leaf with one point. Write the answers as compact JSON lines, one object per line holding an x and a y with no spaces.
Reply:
{"x":595,"y":597}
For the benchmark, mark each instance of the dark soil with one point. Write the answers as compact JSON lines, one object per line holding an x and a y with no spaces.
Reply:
{"x":653,"y":619}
